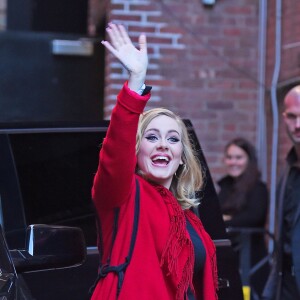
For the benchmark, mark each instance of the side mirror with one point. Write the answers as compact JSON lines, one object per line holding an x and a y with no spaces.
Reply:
{"x":50,"y":247}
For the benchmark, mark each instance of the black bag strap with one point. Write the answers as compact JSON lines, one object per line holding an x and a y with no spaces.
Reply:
{"x":106,"y":268}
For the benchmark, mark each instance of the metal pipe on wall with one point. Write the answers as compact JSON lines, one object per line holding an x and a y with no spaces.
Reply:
{"x":274,"y":105}
{"x":261,"y":140}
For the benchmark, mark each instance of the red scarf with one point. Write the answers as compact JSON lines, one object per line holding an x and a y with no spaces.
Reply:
{"x":179,"y":244}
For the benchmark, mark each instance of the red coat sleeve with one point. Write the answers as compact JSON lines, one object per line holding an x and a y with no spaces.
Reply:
{"x":113,"y":181}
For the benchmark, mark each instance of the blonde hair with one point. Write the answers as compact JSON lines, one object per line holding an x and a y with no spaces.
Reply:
{"x":188,"y":178}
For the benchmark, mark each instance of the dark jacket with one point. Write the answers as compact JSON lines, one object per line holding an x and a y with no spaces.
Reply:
{"x":252,"y":214}
{"x":272,"y":289}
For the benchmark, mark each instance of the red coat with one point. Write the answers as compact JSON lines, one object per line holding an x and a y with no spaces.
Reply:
{"x":162,"y":263}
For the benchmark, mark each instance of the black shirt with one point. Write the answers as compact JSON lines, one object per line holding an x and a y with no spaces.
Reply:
{"x":291,"y":201}
{"x":200,"y":256}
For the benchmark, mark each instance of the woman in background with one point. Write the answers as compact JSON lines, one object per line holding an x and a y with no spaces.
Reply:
{"x":244,"y":202}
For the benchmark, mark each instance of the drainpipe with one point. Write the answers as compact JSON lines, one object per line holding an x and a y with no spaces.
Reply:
{"x":275,"y":121}
{"x":261,"y":134}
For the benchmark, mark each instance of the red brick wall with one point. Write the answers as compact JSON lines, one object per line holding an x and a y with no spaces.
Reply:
{"x":203,"y":65}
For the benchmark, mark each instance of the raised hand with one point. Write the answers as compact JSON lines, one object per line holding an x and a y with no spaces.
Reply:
{"x":133,"y":59}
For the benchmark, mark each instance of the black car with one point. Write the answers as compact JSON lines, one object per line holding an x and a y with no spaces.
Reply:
{"x":46,"y":173}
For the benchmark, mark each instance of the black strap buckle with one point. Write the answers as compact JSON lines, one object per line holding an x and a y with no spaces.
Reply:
{"x":104,"y":270}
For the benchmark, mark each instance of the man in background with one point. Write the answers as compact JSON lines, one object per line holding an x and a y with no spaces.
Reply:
{"x":284,"y":279}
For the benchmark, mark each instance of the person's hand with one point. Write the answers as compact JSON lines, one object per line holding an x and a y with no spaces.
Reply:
{"x":133,"y":59}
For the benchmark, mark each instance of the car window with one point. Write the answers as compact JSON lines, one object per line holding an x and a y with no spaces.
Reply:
{"x":55,"y":173}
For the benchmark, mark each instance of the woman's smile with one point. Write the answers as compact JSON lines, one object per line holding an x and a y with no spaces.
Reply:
{"x":160,"y":160}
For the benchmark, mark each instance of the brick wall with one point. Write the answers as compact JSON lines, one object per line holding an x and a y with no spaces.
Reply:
{"x":2,"y":14}
{"x":203,"y":65}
